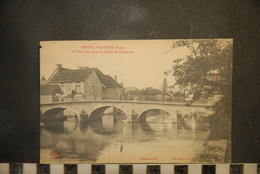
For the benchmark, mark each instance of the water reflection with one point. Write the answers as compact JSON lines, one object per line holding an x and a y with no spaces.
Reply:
{"x":112,"y":138}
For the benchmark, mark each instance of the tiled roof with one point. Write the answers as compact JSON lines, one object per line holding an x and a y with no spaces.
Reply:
{"x":71,"y":75}
{"x":107,"y":80}
{"x":79,"y":75}
{"x":50,"y":89}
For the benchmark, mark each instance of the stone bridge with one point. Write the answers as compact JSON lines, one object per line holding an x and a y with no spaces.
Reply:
{"x":130,"y":108}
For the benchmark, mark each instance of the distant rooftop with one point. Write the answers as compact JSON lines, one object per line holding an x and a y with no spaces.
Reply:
{"x":131,"y":89}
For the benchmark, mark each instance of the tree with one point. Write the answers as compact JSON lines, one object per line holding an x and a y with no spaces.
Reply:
{"x":206,"y":71}
{"x":150,"y":91}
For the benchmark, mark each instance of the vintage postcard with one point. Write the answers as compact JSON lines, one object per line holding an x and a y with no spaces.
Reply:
{"x":136,"y":101}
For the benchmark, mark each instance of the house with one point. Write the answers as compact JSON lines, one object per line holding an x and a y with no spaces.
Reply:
{"x":89,"y":83}
{"x":50,"y":93}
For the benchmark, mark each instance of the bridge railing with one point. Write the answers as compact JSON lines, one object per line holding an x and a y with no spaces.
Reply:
{"x":127,"y":101}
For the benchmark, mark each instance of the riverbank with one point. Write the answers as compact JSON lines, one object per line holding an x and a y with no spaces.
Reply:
{"x":214,"y":151}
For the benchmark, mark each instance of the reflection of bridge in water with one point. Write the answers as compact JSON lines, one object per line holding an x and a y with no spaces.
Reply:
{"x":92,"y":141}
{"x":134,"y":110}
{"x":101,"y":133}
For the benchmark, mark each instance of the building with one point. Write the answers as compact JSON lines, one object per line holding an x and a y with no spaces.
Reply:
{"x":86,"y":83}
{"x":50,"y":93}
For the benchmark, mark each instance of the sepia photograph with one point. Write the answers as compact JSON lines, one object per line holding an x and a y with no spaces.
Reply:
{"x":136,"y":101}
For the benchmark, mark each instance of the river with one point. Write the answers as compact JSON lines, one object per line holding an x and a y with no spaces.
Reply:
{"x":156,"y":140}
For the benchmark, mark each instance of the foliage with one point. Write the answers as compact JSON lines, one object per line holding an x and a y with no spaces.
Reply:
{"x":204,"y":72}
{"x":150,"y":91}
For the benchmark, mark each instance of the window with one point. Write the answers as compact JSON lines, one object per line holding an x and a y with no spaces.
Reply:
{"x":78,"y":88}
{"x":62,"y":87}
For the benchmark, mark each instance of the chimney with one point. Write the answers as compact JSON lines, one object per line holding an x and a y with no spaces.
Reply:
{"x":115,"y":78}
{"x":59,"y":66}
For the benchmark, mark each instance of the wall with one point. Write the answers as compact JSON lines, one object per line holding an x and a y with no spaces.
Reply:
{"x":109,"y":93}
{"x":93,"y":87}
{"x":68,"y":87}
{"x":119,"y":93}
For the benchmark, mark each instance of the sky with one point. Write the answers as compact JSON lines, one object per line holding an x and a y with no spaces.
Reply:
{"x":136,"y":63}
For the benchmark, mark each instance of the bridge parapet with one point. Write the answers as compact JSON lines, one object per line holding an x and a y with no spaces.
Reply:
{"x":128,"y":107}
{"x":130,"y":101}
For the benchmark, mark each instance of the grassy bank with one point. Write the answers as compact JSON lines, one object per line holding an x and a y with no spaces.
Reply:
{"x":214,"y":151}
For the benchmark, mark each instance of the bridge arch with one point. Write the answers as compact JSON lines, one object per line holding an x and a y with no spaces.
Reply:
{"x":172,"y":114}
{"x":54,"y":110}
{"x":144,"y":114}
{"x":196,"y":115}
{"x":57,"y":109}
{"x":96,"y":113}
{"x":196,"y":120}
